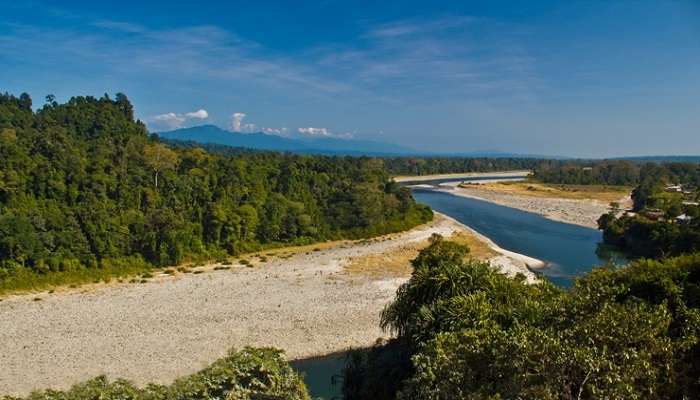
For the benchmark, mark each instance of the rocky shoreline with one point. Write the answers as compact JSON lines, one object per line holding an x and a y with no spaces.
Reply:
{"x":305,"y":303}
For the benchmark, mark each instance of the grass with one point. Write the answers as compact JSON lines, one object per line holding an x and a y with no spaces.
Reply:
{"x":396,"y":262}
{"x":604,"y":193}
{"x":24,"y":280}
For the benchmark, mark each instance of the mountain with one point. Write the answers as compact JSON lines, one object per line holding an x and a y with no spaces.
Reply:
{"x":214,"y":134}
{"x":662,"y":159}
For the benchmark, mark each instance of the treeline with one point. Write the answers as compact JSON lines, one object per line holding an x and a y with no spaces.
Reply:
{"x":444,"y":165}
{"x":83,"y":186}
{"x":615,"y":172}
{"x":250,"y":374}
{"x":465,"y":331}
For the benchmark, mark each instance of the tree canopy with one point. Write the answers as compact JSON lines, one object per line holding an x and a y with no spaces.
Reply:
{"x":83,"y":185}
{"x":466,"y":331}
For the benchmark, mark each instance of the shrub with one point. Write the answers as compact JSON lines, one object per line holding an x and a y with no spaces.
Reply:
{"x":252,"y":373}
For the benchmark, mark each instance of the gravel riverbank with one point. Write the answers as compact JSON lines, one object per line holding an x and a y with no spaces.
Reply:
{"x":577,"y":212}
{"x":305,"y":303}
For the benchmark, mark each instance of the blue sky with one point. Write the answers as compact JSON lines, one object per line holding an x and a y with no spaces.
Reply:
{"x":589,"y":78}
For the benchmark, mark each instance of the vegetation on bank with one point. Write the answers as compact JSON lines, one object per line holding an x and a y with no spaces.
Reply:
{"x":250,"y":374}
{"x":414,"y":166}
{"x":665,"y":219}
{"x":614,"y":172}
{"x":86,"y":193}
{"x":551,"y":171}
{"x":466,"y":331}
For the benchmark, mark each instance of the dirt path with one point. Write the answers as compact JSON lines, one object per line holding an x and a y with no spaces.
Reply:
{"x":306,"y":303}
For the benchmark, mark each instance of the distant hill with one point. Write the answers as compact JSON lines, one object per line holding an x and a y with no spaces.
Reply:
{"x":214,"y":135}
{"x":689,"y":159}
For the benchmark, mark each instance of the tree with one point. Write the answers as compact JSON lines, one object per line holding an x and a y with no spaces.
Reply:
{"x":160,"y":158}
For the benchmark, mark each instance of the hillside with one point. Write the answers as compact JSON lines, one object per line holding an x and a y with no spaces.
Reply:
{"x":84,"y":192}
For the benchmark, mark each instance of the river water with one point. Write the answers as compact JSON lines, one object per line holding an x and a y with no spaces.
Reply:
{"x":568,"y":251}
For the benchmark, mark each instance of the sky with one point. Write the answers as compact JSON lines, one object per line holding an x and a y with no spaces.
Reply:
{"x":559,"y":78}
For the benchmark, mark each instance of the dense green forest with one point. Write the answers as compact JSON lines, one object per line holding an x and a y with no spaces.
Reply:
{"x":572,"y":172}
{"x":466,"y":331}
{"x":250,"y":374}
{"x":84,"y":188}
{"x":615,"y":172}
{"x":445,"y":165}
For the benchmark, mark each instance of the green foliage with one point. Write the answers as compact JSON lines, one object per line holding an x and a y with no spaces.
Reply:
{"x":654,"y":231}
{"x":250,"y":374}
{"x":474,"y":333}
{"x":642,"y":237}
{"x":82,"y":183}
{"x":605,"y":172}
{"x":647,"y":175}
{"x":446,"y":165}
{"x":378,"y":372}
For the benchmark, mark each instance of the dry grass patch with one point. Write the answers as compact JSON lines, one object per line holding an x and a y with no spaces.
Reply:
{"x":606,"y":194}
{"x":478,"y":249}
{"x":396,"y":262}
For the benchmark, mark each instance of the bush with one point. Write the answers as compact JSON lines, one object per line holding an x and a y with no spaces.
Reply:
{"x":253,"y":373}
{"x":473,"y":333}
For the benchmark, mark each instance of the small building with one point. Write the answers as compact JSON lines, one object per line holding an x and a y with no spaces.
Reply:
{"x":674,"y":189}
{"x":691,"y":203}
{"x":683,"y":219}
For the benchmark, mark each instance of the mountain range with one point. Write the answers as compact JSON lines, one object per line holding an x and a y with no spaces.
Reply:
{"x":212,"y":134}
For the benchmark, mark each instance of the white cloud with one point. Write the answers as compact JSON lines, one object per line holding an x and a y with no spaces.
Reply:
{"x":417,"y":27}
{"x":169,"y":120}
{"x":172,"y":120}
{"x":283,"y":131}
{"x":314,"y":132}
{"x":236,"y":120}
{"x":199,"y":114}
{"x":323,"y":133}
{"x":237,"y":125}
{"x":119,"y":26}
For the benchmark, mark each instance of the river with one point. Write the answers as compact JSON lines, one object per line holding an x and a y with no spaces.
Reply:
{"x":568,"y":251}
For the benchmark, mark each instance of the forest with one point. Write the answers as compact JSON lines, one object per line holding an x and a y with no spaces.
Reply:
{"x":84,"y":187}
{"x":431,"y":165}
{"x":465,"y":331}
{"x":615,"y":172}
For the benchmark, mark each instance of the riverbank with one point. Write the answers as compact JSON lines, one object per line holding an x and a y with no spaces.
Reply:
{"x":529,"y":188}
{"x":307,"y":301}
{"x":582,"y":212}
{"x":463,"y":175}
